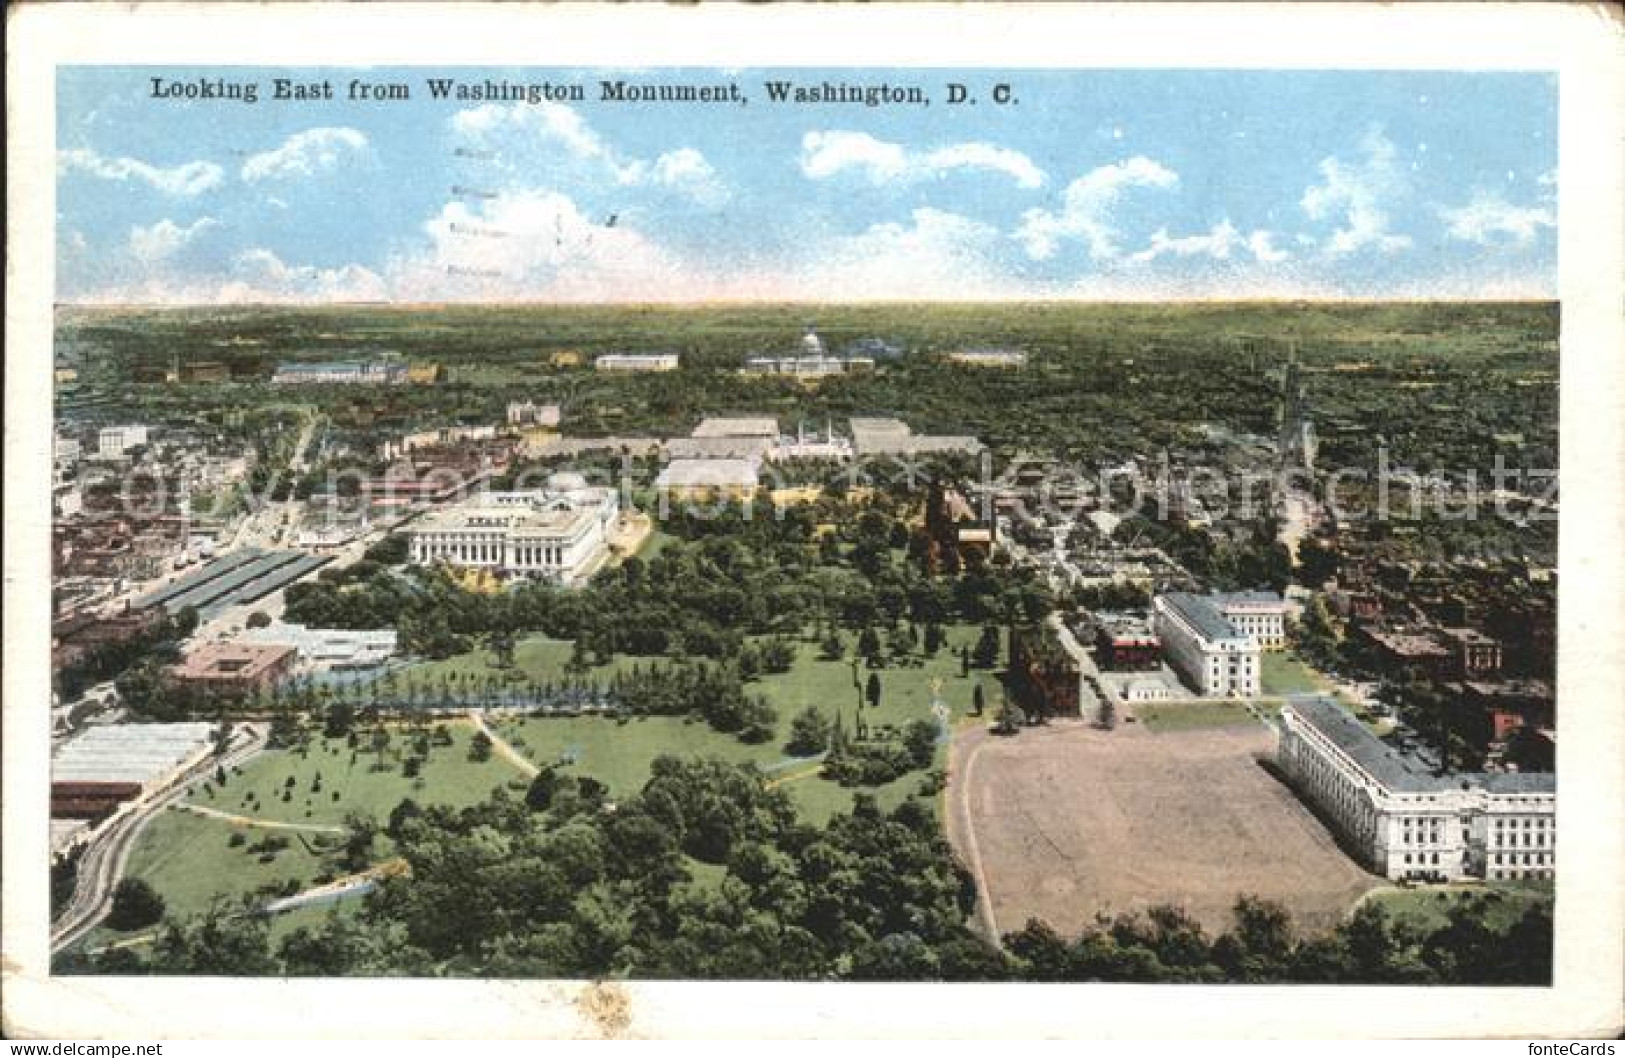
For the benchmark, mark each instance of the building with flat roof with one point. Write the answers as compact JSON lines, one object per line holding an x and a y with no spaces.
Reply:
{"x":109,"y":765}
{"x":381,"y":371}
{"x":233,"y":669}
{"x":328,"y":649}
{"x":114,"y":441}
{"x":529,"y":413}
{"x":1406,"y":820}
{"x":637,"y":362}
{"x":765,"y":426}
{"x":886,"y":436}
{"x":695,"y":478}
{"x":1260,"y":614}
{"x":1217,"y":658}
{"x":985,"y":356}
{"x":560,"y":533}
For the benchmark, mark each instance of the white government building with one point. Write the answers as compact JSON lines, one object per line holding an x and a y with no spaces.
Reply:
{"x":560,"y":533}
{"x":1216,"y":641}
{"x":1405,"y":821}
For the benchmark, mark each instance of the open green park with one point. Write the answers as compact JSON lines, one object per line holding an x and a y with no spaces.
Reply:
{"x":194,"y":860}
{"x":1498,"y":905}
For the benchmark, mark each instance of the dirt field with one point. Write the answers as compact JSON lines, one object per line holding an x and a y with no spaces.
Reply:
{"x":1065,"y":821}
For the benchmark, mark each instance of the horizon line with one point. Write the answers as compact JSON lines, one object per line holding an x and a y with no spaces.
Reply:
{"x":768,"y":302}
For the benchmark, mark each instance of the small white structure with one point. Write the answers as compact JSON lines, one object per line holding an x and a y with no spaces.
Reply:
{"x":114,"y":441}
{"x":1404,"y":820}
{"x":637,"y":362}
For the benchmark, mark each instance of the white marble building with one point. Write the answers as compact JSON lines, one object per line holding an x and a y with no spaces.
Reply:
{"x":1405,"y":821}
{"x":560,"y":533}
{"x":1217,"y":658}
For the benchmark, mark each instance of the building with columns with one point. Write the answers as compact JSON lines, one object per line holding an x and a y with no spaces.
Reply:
{"x":560,"y":533}
{"x":1260,"y":614}
{"x":1402,"y":818}
{"x":1218,"y":659}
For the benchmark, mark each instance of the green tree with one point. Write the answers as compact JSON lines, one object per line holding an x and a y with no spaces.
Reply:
{"x":136,"y":905}
{"x":871,"y":692}
{"x":809,"y":733}
{"x":986,"y":653}
{"x":920,"y":740}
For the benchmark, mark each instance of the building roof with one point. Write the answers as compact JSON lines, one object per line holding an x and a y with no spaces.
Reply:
{"x":137,"y":753}
{"x":1248,"y":598}
{"x":708,"y":473}
{"x":1201,"y":614}
{"x":1403,"y":772}
{"x":236,"y":660}
{"x":737,"y":426}
{"x":712,"y":447}
{"x":559,"y":519}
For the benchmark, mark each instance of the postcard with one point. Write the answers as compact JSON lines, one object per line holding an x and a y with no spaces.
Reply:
{"x":813,"y":521}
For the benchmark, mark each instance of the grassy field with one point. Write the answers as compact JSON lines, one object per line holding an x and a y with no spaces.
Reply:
{"x":1197,"y":715}
{"x":188,"y":860}
{"x":1284,"y":674}
{"x":618,"y":752}
{"x":351,"y":780}
{"x":1500,"y":904}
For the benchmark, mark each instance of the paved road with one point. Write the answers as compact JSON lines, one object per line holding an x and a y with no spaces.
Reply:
{"x":102,"y":864}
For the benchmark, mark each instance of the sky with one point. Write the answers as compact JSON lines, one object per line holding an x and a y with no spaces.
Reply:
{"x":1095,"y":185}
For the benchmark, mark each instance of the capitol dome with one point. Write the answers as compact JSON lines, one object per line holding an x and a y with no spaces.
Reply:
{"x":566,"y":482}
{"x":811,"y":344}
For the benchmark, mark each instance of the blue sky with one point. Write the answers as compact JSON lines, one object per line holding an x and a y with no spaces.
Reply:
{"x":1093,"y":184}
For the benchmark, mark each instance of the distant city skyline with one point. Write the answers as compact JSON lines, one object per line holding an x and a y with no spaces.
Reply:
{"x":1097,"y":185}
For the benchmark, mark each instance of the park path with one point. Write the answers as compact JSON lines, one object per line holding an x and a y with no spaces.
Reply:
{"x":263,"y":824}
{"x":960,"y":824}
{"x":503,"y":749}
{"x":350,"y":885}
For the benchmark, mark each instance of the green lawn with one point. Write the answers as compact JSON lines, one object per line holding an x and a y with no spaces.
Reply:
{"x":1190,"y":717}
{"x":188,"y":861}
{"x":448,"y":778}
{"x":1283,"y":673}
{"x":619,"y":752}
{"x":1500,"y":903}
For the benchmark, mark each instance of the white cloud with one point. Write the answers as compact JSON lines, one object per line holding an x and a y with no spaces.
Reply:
{"x":1087,"y":207}
{"x":1488,"y":218}
{"x":1262,"y":244}
{"x":827,"y":153}
{"x":936,"y":254}
{"x":163,"y":239}
{"x":527,"y":138}
{"x":1355,"y":194}
{"x":260,"y":275}
{"x":535,"y":245}
{"x":685,"y":170}
{"x":1218,"y":243}
{"x":305,"y":154}
{"x":189,"y":178}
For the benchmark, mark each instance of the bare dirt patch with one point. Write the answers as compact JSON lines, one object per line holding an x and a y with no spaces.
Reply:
{"x":1064,"y":822}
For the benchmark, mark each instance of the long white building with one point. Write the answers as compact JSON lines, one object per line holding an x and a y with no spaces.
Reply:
{"x":1217,"y":658}
{"x":560,"y":533}
{"x":1404,"y":821}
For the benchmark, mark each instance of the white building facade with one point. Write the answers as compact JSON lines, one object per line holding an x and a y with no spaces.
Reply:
{"x":114,"y":441}
{"x":1216,"y":657}
{"x":1405,"y":822}
{"x":637,"y":362}
{"x":1260,"y":614}
{"x":559,"y":534}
